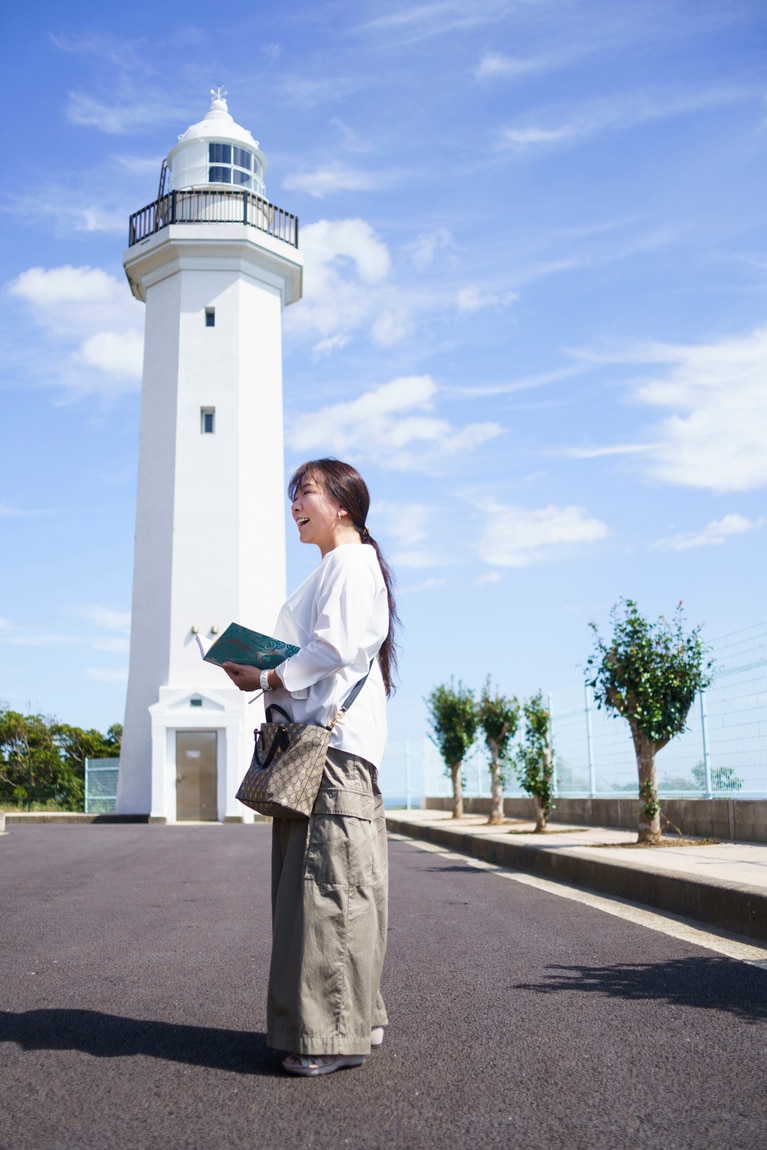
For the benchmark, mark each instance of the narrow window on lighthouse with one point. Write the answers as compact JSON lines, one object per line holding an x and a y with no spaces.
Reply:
{"x":208,"y":420}
{"x":210,"y":317}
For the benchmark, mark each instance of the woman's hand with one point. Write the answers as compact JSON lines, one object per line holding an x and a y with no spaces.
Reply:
{"x":245,"y":677}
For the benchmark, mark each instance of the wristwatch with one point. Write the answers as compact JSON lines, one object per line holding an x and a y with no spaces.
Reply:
{"x":264,"y":681}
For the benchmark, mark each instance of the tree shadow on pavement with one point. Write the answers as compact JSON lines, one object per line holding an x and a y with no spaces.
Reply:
{"x":111,"y":1036}
{"x":706,"y":983}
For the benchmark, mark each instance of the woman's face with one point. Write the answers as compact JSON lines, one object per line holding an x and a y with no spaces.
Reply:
{"x":316,"y":515}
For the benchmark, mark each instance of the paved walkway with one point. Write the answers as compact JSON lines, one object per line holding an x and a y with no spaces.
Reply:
{"x":723,"y":884}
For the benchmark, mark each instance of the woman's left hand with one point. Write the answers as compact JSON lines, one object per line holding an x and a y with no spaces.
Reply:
{"x":243,"y":676}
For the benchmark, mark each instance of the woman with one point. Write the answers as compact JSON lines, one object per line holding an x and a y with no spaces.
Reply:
{"x":329,"y":872}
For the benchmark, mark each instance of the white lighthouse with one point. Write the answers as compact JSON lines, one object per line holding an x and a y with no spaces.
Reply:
{"x":215,"y":264}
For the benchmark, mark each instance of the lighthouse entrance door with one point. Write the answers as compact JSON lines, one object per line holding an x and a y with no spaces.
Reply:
{"x":196,"y":776}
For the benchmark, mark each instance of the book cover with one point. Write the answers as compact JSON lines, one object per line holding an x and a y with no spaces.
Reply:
{"x":239,"y":644}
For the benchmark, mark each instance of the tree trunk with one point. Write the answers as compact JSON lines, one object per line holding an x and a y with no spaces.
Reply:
{"x":455,"y":771}
{"x":541,"y":809}
{"x":649,"y":807}
{"x":496,"y":808}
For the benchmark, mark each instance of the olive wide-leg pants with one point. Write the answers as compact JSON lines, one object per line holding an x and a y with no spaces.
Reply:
{"x":329,"y":916}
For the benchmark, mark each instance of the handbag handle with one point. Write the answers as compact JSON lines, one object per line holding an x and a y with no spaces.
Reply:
{"x":280,"y":742}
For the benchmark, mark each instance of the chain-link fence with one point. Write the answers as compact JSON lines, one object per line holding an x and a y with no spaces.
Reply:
{"x":723,"y":752}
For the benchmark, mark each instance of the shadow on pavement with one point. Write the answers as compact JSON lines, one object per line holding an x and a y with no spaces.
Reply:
{"x":707,"y":983}
{"x":111,"y":1036}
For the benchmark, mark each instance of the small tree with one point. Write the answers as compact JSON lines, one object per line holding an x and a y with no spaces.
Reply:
{"x":498,"y":718}
{"x":535,"y":759}
{"x":453,"y":723}
{"x":650,"y":674}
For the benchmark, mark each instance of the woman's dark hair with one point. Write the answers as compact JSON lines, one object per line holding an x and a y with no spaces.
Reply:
{"x":348,"y":489}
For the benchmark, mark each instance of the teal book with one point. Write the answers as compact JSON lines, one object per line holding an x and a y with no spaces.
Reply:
{"x":240,"y":645}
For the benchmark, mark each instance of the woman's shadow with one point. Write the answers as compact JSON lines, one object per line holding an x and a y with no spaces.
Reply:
{"x":111,"y":1036}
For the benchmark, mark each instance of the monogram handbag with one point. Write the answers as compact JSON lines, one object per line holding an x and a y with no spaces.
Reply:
{"x":288,"y":760}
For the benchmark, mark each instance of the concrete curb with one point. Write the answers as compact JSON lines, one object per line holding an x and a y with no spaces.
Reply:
{"x":733,"y":907}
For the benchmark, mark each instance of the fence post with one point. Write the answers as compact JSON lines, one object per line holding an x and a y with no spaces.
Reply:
{"x":551,"y":748}
{"x":407,"y":773}
{"x":590,"y":745}
{"x":704,"y":733}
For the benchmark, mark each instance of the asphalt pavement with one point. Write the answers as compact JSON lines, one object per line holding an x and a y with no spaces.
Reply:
{"x":132,"y":1015}
{"x":722,"y":884}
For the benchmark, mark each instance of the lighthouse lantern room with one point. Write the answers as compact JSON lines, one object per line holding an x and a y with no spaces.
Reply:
{"x":215,"y":264}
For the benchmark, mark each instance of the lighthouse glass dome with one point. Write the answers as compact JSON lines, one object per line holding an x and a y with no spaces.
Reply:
{"x":217,"y":151}
{"x":228,"y":164}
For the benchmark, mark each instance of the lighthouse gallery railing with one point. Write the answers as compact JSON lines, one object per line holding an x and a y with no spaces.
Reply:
{"x":213,"y":206}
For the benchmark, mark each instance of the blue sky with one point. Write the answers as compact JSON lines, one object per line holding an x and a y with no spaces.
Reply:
{"x":535,"y":312}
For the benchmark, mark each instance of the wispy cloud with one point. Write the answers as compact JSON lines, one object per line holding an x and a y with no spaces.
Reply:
{"x":106,"y":617}
{"x":121,"y":118}
{"x":716,"y":436}
{"x":431,"y":584}
{"x":473,"y":298}
{"x":519,"y":536}
{"x":714,"y":534}
{"x":550,"y":127}
{"x":106,"y":674}
{"x":494,"y":65}
{"x":325,"y":181}
{"x":425,"y":248}
{"x":408,"y":531}
{"x":422,"y":21}
{"x":392,"y":424}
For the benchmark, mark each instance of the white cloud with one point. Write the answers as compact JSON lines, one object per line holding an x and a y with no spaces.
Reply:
{"x":345,"y":265}
{"x":115,"y":353}
{"x":713,"y":534}
{"x":385,"y":424}
{"x":96,"y":325}
{"x":517,"y":536}
{"x":48,"y":288}
{"x":349,"y":287}
{"x":717,"y":435}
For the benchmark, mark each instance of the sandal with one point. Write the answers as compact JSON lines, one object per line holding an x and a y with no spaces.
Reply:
{"x":309,"y":1065}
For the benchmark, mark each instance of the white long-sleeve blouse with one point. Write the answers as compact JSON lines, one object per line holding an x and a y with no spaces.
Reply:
{"x":339,"y":617}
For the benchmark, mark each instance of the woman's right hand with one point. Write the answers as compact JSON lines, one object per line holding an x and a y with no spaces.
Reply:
{"x":244,"y":677}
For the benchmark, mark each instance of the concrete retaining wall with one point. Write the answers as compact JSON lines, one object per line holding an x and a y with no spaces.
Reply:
{"x":742,"y":820}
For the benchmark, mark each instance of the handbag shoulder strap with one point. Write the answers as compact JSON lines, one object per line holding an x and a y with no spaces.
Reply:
{"x":273,"y":707}
{"x":352,"y":695}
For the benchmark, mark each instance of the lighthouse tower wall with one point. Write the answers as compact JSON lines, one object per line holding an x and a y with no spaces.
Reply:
{"x":210,"y":508}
